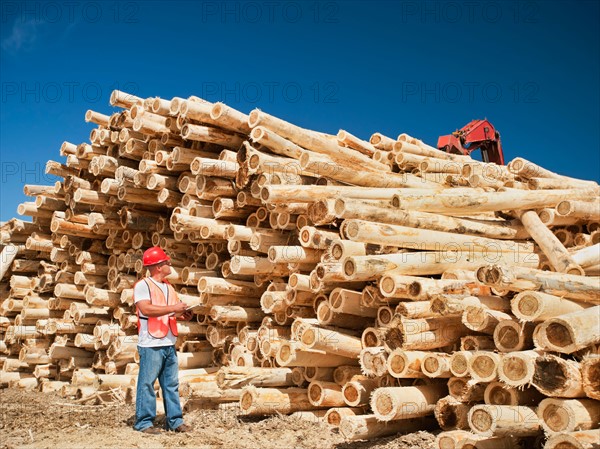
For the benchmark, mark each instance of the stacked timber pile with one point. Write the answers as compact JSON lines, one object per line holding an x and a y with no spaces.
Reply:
{"x":381,"y":286}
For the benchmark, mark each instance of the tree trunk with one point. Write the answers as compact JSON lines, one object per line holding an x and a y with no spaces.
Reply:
{"x":557,"y":254}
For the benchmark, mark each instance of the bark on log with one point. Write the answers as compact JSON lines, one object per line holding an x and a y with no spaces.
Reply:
{"x":426,"y":239}
{"x":537,"y":306}
{"x":362,"y":268}
{"x":366,"y":427}
{"x":520,"y":278}
{"x":240,"y":377}
{"x":332,"y":342}
{"x":557,"y":254}
{"x":477,"y":202}
{"x":271,"y":401}
{"x":288,"y":356}
{"x":590,"y":372}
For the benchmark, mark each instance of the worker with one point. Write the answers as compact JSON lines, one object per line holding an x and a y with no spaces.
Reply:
{"x":158,"y":309}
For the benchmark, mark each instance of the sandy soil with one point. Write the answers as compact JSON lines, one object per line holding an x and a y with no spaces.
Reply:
{"x":36,"y":420}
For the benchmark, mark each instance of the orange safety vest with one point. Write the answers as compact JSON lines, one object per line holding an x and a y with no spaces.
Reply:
{"x":158,"y":326}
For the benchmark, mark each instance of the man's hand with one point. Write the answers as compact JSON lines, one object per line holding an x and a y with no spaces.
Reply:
{"x":179,"y":308}
{"x":185,"y":316}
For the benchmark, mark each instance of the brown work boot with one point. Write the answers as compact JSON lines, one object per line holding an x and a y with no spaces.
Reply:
{"x":183,"y":428}
{"x":151,"y":430}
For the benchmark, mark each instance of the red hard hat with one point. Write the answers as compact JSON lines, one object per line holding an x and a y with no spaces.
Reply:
{"x":154,"y":255}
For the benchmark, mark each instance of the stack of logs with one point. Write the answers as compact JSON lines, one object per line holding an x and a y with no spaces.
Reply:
{"x":381,"y":286}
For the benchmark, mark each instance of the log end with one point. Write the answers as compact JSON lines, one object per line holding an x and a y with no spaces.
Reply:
{"x":554,"y":416}
{"x":247,"y":399}
{"x":351,"y":394}
{"x":512,"y":336}
{"x":397,"y":364}
{"x":552,"y":375}
{"x":515,"y":371}
{"x":254,"y":118}
{"x":527,"y":306}
{"x":315,"y":393}
{"x":383,"y":404}
{"x":483,"y":366}
{"x":481,"y":421}
{"x":459,"y":363}
{"x":496,"y":393}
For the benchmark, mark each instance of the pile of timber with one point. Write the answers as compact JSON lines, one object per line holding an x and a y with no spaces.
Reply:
{"x":381,"y":286}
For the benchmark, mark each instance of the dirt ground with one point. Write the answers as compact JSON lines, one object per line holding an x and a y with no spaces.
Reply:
{"x":37,"y":420}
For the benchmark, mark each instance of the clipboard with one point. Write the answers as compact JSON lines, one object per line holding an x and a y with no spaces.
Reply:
{"x":194,"y":307}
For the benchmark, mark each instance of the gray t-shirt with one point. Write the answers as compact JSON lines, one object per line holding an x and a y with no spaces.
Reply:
{"x":141,"y":292}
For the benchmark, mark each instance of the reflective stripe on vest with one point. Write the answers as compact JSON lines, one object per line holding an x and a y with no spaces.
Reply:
{"x":158,"y":326}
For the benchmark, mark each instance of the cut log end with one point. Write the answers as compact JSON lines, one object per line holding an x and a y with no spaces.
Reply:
{"x":483,"y":366}
{"x":512,"y":336}
{"x":246,"y":400}
{"x":552,"y":375}
{"x":387,"y":285}
{"x":396,"y":364}
{"x":497,"y":394}
{"x":349,"y":268}
{"x":529,"y":305}
{"x":482,"y":422}
{"x":384,"y":404}
{"x":459,"y":364}
{"x":430,"y":366}
{"x":333,"y":418}
{"x":555,"y":417}
{"x":254,"y":118}
{"x":515,"y":370}
{"x":315,"y":393}
{"x":559,"y":335}
{"x":370,"y":338}
{"x":452,"y":439}
{"x":351,"y":395}
{"x":285,"y":353}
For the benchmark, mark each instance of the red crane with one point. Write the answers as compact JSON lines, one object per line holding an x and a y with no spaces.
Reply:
{"x":477,"y":134}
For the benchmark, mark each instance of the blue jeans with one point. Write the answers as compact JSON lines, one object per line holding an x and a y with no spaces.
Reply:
{"x":157,"y":363}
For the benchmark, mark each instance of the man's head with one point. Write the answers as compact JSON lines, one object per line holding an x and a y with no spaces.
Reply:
{"x":157,"y":261}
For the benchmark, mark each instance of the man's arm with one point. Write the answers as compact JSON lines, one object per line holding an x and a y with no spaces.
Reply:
{"x":149,"y":309}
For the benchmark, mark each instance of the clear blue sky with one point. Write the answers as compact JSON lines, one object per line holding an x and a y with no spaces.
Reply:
{"x":424,"y":68}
